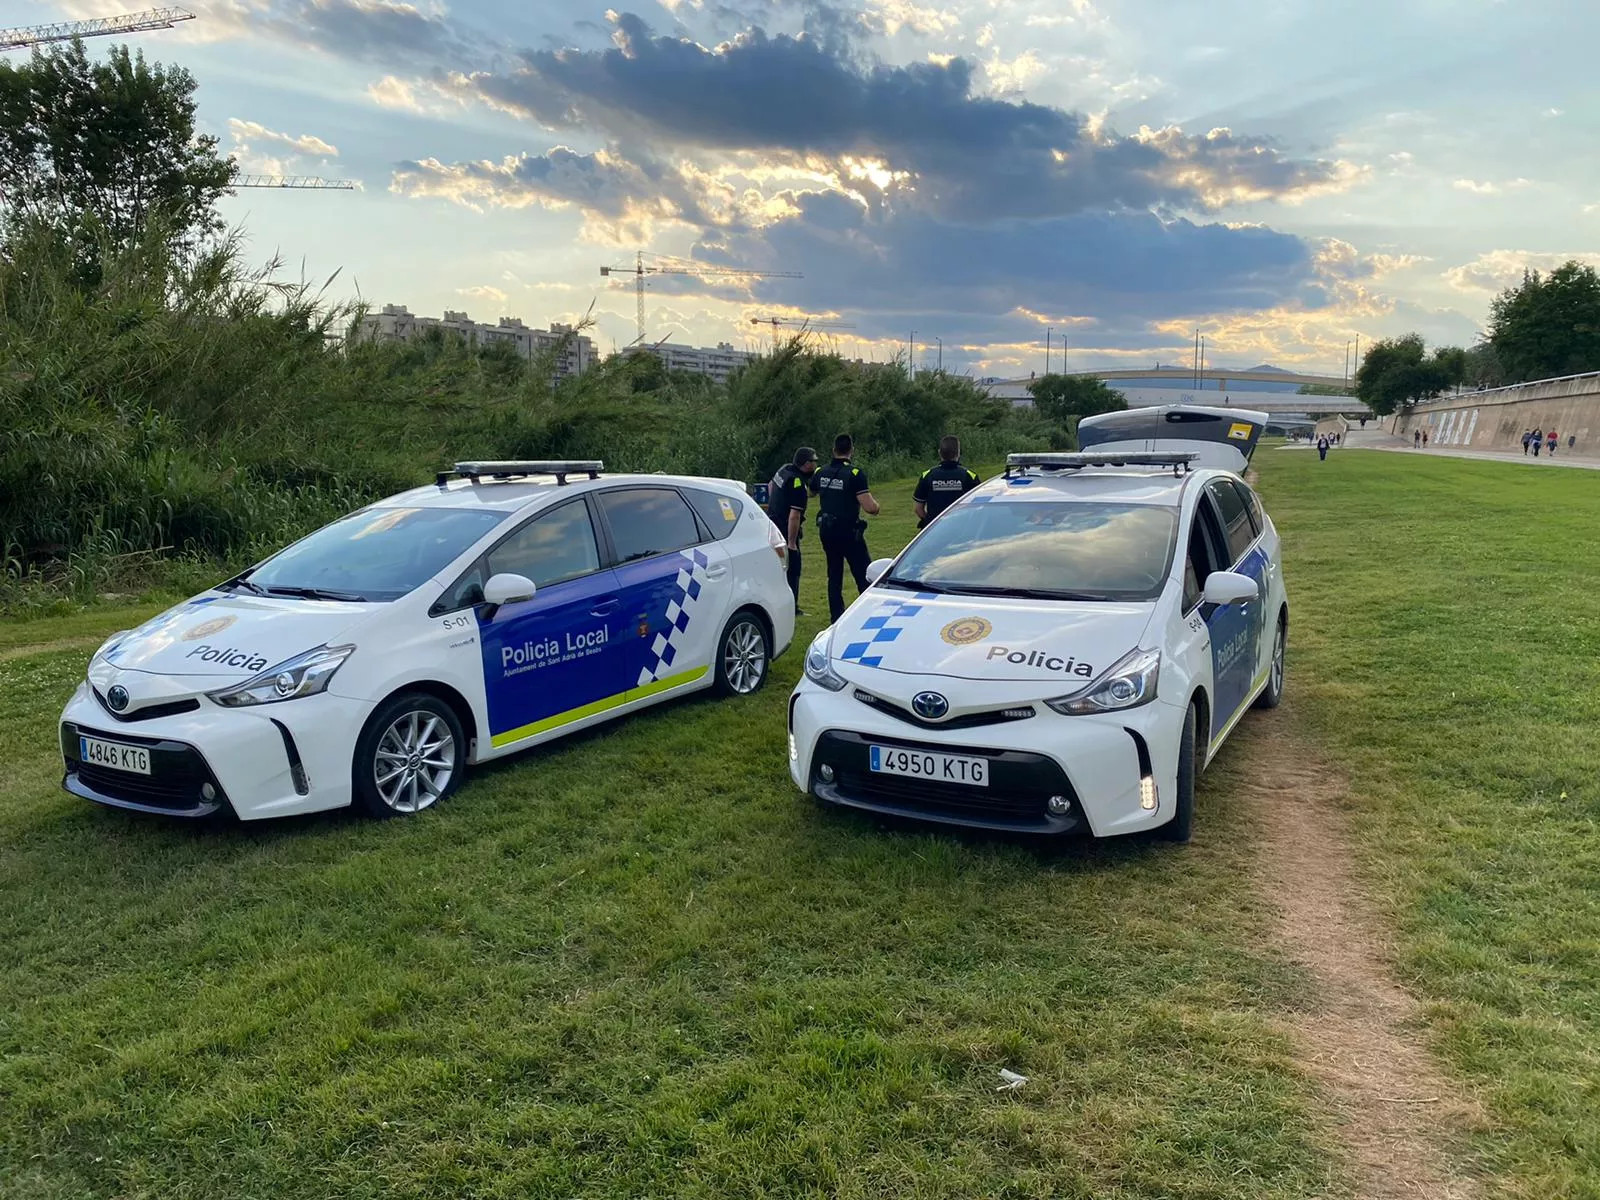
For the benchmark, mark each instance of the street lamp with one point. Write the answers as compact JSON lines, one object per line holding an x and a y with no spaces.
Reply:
{"x":911,"y":357}
{"x":940,"y":340}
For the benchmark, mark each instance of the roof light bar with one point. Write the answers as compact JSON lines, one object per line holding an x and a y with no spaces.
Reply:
{"x":1178,"y":461}
{"x":501,"y":469}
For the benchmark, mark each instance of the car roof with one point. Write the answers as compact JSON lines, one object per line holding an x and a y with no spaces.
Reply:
{"x":1124,"y":485}
{"x":513,"y":495}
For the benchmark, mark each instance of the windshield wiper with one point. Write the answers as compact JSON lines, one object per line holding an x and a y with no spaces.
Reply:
{"x":987,"y":589}
{"x":239,"y":581}
{"x":312,"y":593}
{"x":912,"y":585}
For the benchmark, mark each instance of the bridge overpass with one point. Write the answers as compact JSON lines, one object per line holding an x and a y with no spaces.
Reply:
{"x":1278,"y":404}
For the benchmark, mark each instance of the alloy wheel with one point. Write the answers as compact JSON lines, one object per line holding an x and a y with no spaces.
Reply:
{"x":744,"y":658}
{"x":415,"y":758}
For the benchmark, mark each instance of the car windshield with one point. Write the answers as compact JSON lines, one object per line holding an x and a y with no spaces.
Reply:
{"x":374,"y":554}
{"x":1044,"y":549}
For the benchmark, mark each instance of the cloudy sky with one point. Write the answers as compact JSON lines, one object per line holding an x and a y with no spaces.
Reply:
{"x":1283,"y":177}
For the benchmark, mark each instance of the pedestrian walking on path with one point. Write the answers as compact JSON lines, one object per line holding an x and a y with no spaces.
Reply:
{"x":1550,"y":440}
{"x":1424,"y":439}
{"x":1538,"y":440}
{"x":1527,"y":439}
{"x":1322,"y":448}
{"x":1416,"y":439}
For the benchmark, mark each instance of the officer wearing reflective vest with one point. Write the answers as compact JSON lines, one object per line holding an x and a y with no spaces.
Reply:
{"x":942,"y":486}
{"x":786,"y":505}
{"x":842,"y":494}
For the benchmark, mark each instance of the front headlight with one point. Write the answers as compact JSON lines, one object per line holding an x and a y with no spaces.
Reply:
{"x":818,"y":669}
{"x":303,"y":675}
{"x":1129,"y":683}
{"x":110,"y":644}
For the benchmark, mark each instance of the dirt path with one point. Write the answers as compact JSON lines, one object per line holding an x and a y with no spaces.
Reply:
{"x":1392,"y":1101}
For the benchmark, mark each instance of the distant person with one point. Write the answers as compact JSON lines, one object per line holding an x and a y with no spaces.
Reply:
{"x":1550,"y":440}
{"x":786,"y":505}
{"x":1527,"y":439}
{"x":842,"y":494}
{"x":1322,"y":448}
{"x":1424,"y":439}
{"x":943,"y":485}
{"x":1572,"y":440}
{"x":1538,"y":440}
{"x":1363,"y":422}
{"x":1416,"y":439}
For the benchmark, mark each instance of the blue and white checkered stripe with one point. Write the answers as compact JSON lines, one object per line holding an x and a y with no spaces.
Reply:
{"x":885,"y":626}
{"x":680,"y":611}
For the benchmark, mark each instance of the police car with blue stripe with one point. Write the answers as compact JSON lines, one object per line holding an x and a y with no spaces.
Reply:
{"x":1065,"y":648}
{"x":373,"y":661}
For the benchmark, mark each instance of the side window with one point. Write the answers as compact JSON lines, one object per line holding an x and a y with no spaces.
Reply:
{"x":554,"y":546}
{"x":720,"y":513}
{"x":1253,"y":503}
{"x":648,"y":521}
{"x":464,"y":593}
{"x":1235,"y":520}
{"x":1205,"y":553}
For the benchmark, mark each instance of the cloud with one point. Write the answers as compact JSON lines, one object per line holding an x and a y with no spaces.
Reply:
{"x":483,"y":291}
{"x":1501,"y":269}
{"x":964,"y":155}
{"x":247,"y":132}
{"x":1489,"y":187}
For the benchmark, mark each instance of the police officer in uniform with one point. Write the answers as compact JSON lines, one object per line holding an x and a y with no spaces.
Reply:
{"x":786,"y":505}
{"x":942,"y":486}
{"x":842,"y":494}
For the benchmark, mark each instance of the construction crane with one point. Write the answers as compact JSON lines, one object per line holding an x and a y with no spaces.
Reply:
{"x":292,"y":181}
{"x":801,"y":322}
{"x":65,"y":31}
{"x":677,"y":267}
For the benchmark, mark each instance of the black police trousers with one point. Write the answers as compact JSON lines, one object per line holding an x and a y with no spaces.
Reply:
{"x":794,"y":575}
{"x":851,"y":549}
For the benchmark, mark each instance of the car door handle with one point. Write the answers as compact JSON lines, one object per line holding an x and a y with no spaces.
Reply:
{"x":606,"y":607}
{"x":716,"y":572}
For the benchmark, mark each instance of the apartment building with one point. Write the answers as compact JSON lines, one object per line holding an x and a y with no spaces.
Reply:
{"x":395,"y":322}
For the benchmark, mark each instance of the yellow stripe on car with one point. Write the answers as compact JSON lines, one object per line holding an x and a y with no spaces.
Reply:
{"x":598,"y":706}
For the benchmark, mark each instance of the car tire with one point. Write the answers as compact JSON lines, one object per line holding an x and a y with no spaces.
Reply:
{"x":744,"y":655}
{"x":1182,"y":824}
{"x":411,"y":755}
{"x":1272,"y":695}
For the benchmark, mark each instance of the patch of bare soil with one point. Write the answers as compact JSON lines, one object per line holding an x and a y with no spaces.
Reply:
{"x":1392,"y":1102}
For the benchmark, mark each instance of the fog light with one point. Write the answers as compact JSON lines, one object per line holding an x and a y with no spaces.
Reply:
{"x":826,"y":772}
{"x":1058,"y":805}
{"x":1147,"y":793}
{"x":207,"y":792}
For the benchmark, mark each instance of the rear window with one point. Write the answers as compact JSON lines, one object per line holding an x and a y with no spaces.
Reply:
{"x":1067,"y":550}
{"x":720,"y":513}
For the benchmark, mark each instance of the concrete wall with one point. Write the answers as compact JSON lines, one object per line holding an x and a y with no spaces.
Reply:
{"x":1495,"y":419}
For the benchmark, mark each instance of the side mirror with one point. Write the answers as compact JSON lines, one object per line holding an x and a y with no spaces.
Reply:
{"x":1226,"y":587}
{"x":507,"y":589}
{"x":876,"y":569}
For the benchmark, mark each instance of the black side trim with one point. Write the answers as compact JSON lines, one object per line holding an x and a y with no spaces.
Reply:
{"x":297,"y":770}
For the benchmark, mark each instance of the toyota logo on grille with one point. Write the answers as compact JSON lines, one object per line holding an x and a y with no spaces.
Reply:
{"x":930,"y":706}
{"x":117,"y":698}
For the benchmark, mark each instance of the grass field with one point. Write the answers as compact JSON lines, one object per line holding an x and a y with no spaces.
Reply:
{"x":639,"y":964}
{"x":1447,"y":654}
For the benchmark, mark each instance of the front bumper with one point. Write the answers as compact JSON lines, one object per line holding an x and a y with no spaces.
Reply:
{"x":1106,"y":767}
{"x":271,"y":761}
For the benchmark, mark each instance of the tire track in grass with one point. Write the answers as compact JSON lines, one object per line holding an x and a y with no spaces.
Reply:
{"x":1393,"y":1105}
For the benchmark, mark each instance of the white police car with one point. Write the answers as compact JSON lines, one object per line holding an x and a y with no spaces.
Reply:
{"x":1059,"y":652}
{"x":371,"y":662}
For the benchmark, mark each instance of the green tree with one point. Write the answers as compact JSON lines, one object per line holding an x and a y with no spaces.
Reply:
{"x":98,"y":150}
{"x":1067,"y":399}
{"x":1548,"y":325}
{"x":1395,"y":371}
